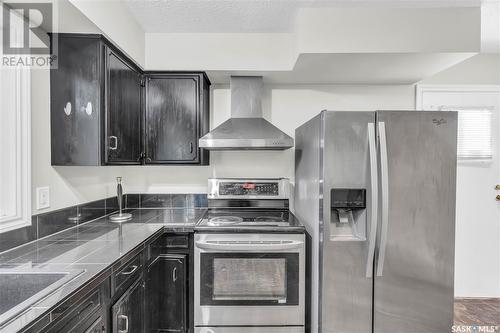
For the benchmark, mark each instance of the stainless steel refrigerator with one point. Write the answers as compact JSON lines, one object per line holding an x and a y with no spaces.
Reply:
{"x":376,"y":191}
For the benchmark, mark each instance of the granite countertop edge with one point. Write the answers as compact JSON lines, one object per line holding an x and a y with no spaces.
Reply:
{"x":114,"y":241}
{"x":92,"y":264}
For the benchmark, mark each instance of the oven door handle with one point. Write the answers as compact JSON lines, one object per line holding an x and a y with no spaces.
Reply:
{"x":249,"y":246}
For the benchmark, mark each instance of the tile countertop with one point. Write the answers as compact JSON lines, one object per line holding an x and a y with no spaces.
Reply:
{"x":88,"y":249}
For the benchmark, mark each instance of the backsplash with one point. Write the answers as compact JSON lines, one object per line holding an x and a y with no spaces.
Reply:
{"x":46,"y":224}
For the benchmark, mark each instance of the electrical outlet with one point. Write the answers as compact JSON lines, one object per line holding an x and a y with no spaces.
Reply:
{"x":42,"y":197}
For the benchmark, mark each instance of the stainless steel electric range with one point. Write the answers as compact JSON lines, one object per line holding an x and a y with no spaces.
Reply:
{"x":249,"y":260}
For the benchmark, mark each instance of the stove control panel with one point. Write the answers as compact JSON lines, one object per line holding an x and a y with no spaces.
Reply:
{"x":248,"y":188}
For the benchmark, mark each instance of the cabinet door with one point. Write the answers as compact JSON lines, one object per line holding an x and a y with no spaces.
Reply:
{"x":172,"y":109}
{"x":167,"y":294}
{"x":75,"y":102}
{"x":123,"y":111}
{"x":128,"y":311}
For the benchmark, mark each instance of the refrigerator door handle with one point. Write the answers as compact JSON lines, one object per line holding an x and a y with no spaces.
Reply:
{"x":372,"y":236}
{"x":384,"y":175}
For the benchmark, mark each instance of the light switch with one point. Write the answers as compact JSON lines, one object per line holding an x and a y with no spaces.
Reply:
{"x":42,"y":197}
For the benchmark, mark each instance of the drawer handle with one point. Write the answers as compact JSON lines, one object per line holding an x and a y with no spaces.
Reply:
{"x":134,"y":268}
{"x":125,"y":319}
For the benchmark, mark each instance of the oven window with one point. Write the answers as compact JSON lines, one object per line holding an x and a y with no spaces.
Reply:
{"x":249,"y":279}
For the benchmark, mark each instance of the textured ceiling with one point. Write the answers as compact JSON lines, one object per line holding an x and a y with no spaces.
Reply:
{"x":246,"y":16}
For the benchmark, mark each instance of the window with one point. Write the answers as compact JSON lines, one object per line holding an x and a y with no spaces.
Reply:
{"x":474,"y":133}
{"x":15,"y":142}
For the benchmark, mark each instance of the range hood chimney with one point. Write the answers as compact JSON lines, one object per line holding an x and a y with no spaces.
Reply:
{"x":246,"y":129}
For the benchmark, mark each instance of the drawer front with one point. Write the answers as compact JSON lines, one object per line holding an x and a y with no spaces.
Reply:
{"x":177,"y":241}
{"x":80,"y":312}
{"x":95,"y":326}
{"x":126,"y":273}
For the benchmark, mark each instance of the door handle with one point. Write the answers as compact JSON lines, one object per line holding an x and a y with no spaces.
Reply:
{"x":372,"y":236}
{"x":384,"y":175}
{"x":125,"y":319}
{"x":174,"y":274}
{"x":497,"y":187}
{"x":190,"y":147}
{"x":248,"y":246}
{"x":114,"y":139}
{"x":497,"y":197}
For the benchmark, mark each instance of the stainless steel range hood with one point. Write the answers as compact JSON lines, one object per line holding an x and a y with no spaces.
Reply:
{"x":246,"y":129}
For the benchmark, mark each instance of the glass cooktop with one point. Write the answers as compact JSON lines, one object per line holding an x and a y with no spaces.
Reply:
{"x":247,"y":218}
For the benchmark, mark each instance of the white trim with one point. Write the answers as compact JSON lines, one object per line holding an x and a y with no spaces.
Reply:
{"x":422,"y":88}
{"x":22,"y":107}
{"x":23,"y":163}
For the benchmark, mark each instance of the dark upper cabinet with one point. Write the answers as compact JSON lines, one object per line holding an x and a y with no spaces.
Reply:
{"x":176,"y":117}
{"x":76,"y":99}
{"x":102,"y":113}
{"x":123,"y":110}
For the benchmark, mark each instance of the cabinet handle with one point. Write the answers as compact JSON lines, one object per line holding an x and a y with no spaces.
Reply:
{"x":111,"y":139}
{"x":134,"y":268}
{"x":125,"y":319}
{"x":174,"y":274}
{"x":87,"y":108}
{"x":190,"y":147}
{"x":67,"y":109}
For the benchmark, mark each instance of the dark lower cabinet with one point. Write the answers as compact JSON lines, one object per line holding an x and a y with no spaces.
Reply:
{"x":169,"y":284}
{"x":167,"y":294}
{"x":148,"y":290}
{"x":84,"y":312}
{"x":94,"y":325}
{"x":128,"y":311}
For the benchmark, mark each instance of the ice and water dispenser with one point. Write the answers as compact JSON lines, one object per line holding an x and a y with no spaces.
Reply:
{"x":348,"y":214}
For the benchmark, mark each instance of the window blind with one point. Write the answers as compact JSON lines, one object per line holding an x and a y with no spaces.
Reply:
{"x":475,"y":140}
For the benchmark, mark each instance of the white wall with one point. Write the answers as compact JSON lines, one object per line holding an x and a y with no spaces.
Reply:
{"x":116,"y":22}
{"x":480,"y":69}
{"x":286,"y":106}
{"x":220,"y":51}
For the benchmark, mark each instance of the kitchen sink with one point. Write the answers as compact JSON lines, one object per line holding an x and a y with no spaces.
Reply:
{"x":21,"y":289}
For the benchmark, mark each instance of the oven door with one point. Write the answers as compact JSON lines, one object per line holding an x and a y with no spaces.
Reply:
{"x":249,"y":279}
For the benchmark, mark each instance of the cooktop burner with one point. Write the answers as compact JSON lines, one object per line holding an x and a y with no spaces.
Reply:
{"x":224,"y":220}
{"x":247,"y":218}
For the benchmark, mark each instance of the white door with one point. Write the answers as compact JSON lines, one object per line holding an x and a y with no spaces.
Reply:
{"x":477,"y":235}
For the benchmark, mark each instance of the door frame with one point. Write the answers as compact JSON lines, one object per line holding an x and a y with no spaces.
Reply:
{"x":420,"y":89}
